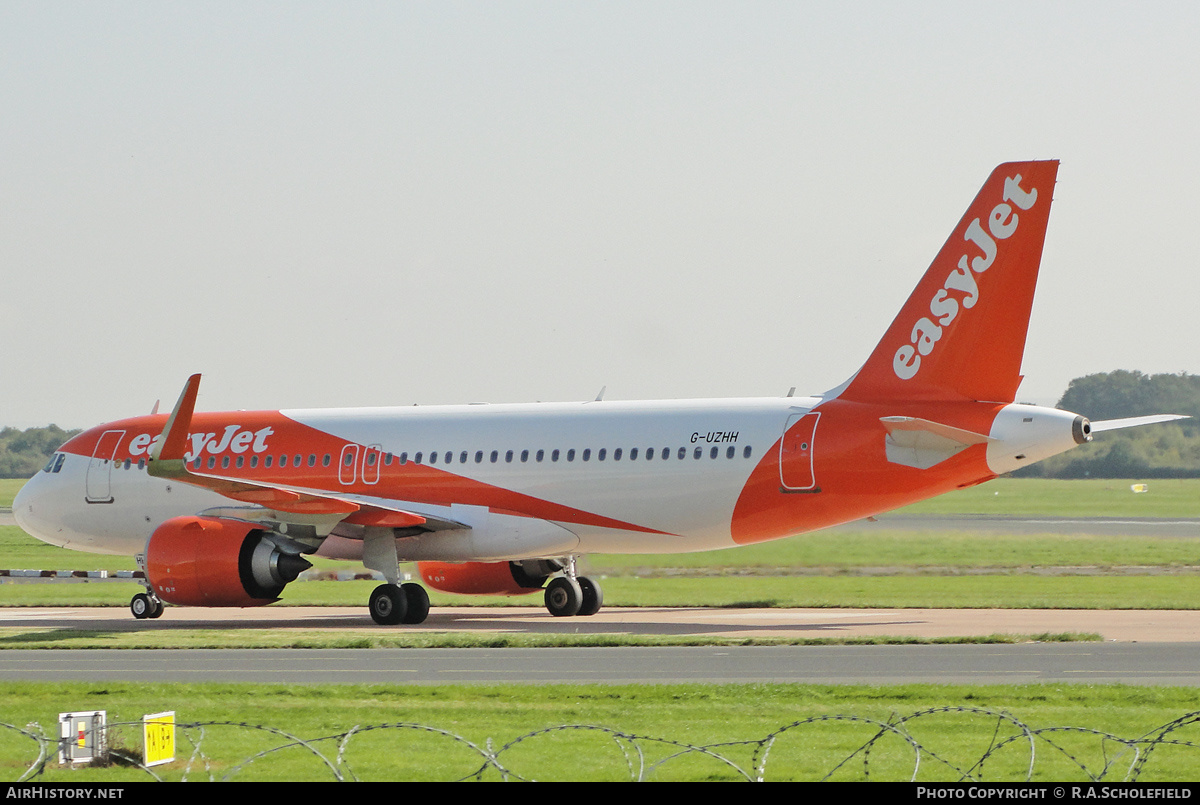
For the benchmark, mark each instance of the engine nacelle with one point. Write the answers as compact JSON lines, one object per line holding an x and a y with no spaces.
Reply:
{"x":210,"y":562}
{"x":481,"y":578}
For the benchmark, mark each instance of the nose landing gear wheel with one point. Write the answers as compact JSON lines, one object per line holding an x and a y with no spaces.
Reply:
{"x":143,"y":606}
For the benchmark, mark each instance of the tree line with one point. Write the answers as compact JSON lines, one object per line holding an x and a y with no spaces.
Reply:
{"x":24,"y":452}
{"x":1169,"y":450}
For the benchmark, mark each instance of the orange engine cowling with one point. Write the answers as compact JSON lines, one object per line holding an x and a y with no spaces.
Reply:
{"x":480,"y":578}
{"x":210,"y":562}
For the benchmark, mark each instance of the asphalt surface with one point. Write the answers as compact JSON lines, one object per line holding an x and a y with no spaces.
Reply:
{"x":1141,"y":648}
{"x":1174,"y":626}
{"x":1136,"y":664}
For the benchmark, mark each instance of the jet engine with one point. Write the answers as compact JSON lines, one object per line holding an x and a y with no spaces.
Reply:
{"x":207,"y":561}
{"x":486,"y":578}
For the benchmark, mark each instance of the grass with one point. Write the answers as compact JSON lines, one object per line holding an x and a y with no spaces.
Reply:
{"x":437,"y":733}
{"x":8,"y":490}
{"x":1035,"y":497}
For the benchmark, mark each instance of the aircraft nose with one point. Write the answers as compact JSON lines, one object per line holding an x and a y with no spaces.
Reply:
{"x":33,"y":509}
{"x":24,"y":504}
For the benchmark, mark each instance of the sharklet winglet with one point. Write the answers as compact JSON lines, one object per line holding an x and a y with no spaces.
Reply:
{"x":167,"y":455}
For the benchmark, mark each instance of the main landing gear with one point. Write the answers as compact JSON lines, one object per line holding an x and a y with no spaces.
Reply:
{"x":391,"y":604}
{"x":573,"y":595}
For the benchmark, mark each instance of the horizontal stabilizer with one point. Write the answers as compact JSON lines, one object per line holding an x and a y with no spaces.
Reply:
{"x":1134,"y":421}
{"x":920,"y":443}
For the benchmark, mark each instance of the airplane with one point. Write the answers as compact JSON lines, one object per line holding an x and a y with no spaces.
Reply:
{"x":221,"y":509}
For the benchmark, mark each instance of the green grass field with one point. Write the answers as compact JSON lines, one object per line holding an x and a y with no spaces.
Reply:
{"x":565,"y":732}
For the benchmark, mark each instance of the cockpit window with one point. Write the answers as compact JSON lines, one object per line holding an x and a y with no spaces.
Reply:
{"x":55,"y":463}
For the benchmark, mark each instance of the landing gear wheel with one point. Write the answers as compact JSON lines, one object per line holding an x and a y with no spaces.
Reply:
{"x":563,"y":597}
{"x":143,"y":606}
{"x":388,"y":605}
{"x":417,"y":601}
{"x":159,"y":606}
{"x":593,"y":596}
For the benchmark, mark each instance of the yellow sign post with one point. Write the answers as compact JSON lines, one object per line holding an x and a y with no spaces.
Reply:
{"x":158,"y":731}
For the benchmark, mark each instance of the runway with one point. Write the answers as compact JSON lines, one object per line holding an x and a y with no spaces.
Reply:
{"x":1164,"y":626}
{"x":1049,"y":663}
{"x":1142,"y":648}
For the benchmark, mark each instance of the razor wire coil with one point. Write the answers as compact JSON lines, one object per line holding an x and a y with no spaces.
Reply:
{"x":873,"y":756}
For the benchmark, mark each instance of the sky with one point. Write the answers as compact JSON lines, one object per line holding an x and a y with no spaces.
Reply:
{"x":387,"y":203}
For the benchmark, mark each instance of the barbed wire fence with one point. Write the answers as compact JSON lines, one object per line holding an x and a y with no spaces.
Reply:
{"x":1011,"y":751}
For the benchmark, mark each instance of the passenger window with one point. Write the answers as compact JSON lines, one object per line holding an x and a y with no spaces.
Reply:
{"x":633,"y":454}
{"x":404,"y":457}
{"x":601,"y":453}
{"x":587,"y":453}
{"x":296,"y":463}
{"x":540,"y":455}
{"x":746,"y":452}
{"x":682,"y":453}
{"x":617,"y":454}
{"x":697,"y":452}
{"x":224,"y":462}
{"x":417,"y":458}
{"x":478,"y":456}
{"x":495,"y":456}
{"x":554,"y":454}
{"x":508,"y":456}
{"x":571,"y":454}
{"x":433,"y":457}
{"x":712,"y":453}
{"x":729,"y":452}
{"x":326,"y":459}
{"x":253,"y":462}
{"x":649,"y":453}
{"x":524,"y":456}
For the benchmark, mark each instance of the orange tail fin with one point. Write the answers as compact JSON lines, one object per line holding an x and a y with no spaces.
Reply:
{"x":961,"y":334}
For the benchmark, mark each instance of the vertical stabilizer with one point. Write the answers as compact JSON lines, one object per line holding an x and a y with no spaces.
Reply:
{"x":961,"y":334}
